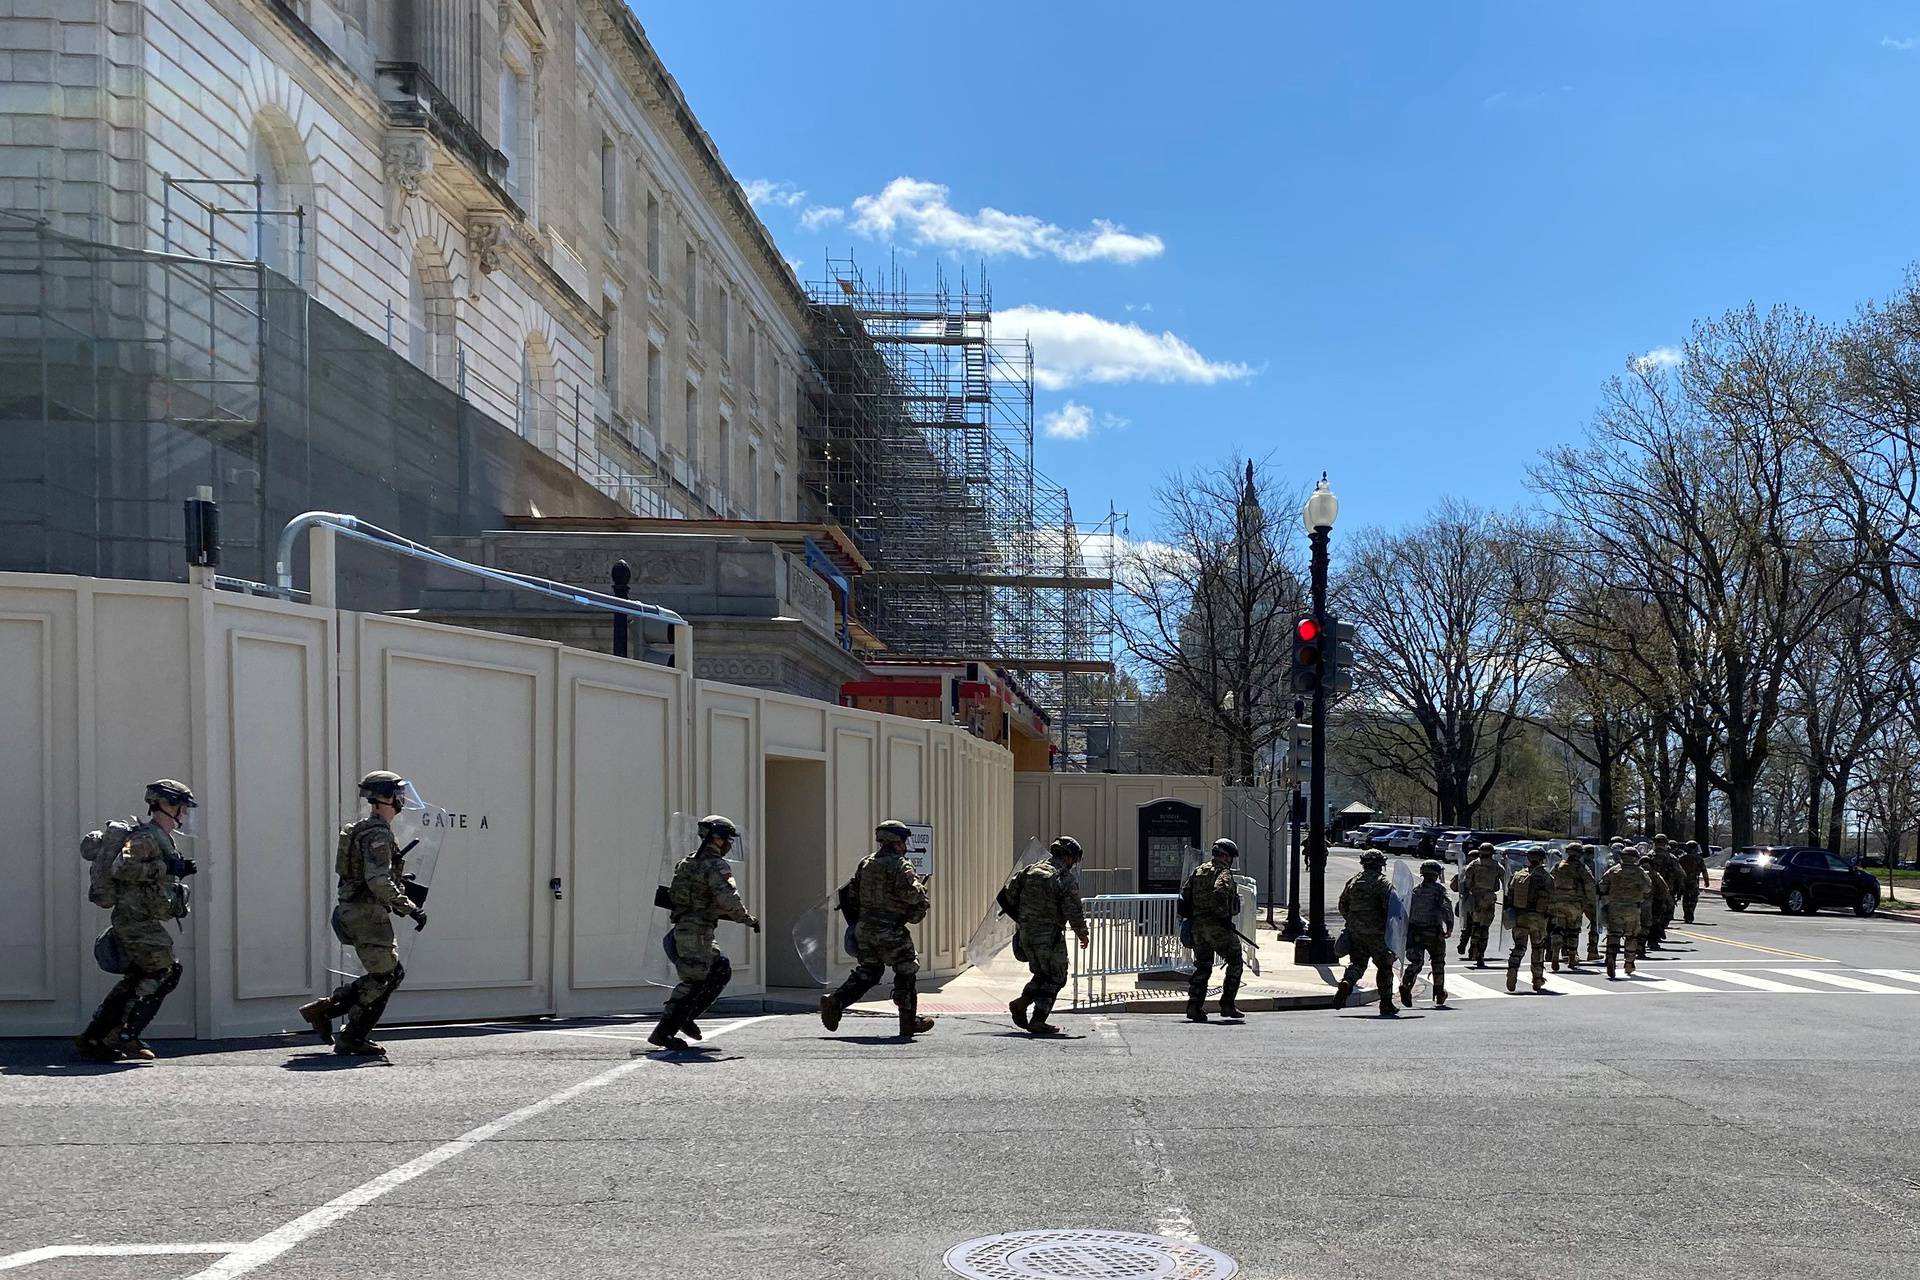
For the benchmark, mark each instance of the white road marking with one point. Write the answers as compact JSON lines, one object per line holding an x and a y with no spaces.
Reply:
{"x":1850,"y":984}
{"x":253,"y":1256}
{"x":1567,"y":986}
{"x":1900,"y":975}
{"x":1669,"y":986}
{"x":1157,"y":1183}
{"x":1748,"y":980}
{"x":1468,"y":989}
{"x":52,"y":1251}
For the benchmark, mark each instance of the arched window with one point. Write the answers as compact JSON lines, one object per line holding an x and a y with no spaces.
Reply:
{"x":277,"y":236}
{"x":536,"y":406}
{"x":270,"y":236}
{"x":430,"y":327}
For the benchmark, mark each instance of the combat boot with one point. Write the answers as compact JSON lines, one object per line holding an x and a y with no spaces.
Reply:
{"x":1613,"y":957}
{"x":911,"y":1023}
{"x":1556,"y":963}
{"x":1340,"y":993}
{"x":1406,"y":991}
{"x":688,"y":1027}
{"x":1539,"y":982}
{"x":1017,"y":1010}
{"x":94,"y":1050}
{"x":1037,"y":1024}
{"x":1228,"y":1009}
{"x":352,"y":1042}
{"x":1196,"y":1010}
{"x":1387,"y":1007}
{"x":318,"y":1014}
{"x":1513,"y":976}
{"x":1629,"y":962}
{"x":663,"y":1035}
{"x":829,"y":1012}
{"x":1439,"y":996}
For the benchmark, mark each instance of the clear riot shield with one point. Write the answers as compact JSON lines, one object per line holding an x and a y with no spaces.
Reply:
{"x":1246,"y":919}
{"x":1400,"y":899}
{"x":992,"y":939}
{"x":418,"y":831}
{"x":822,"y":938}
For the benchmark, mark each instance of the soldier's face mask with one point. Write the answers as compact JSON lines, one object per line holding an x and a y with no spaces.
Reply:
{"x":186,"y":823}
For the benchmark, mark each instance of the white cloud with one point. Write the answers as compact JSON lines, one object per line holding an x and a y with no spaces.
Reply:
{"x":1660,"y":358}
{"x":762,"y":192}
{"x":819,"y":215}
{"x":1072,"y":347}
{"x":1071,"y":421}
{"x":1142,"y":307}
{"x":1901,"y":43}
{"x":919,"y":209}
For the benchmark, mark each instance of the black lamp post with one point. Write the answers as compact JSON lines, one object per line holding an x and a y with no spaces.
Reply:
{"x":1316,"y":947}
{"x":1295,"y":926}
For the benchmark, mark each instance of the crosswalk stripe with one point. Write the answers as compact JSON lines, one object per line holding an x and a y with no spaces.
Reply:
{"x":1663,"y":985}
{"x":1901,"y":975}
{"x":1468,"y":989}
{"x":1748,"y":980}
{"x":1568,"y":987}
{"x":1847,"y":983}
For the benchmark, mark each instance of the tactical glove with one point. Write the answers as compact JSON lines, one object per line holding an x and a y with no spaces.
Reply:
{"x":753,"y":925}
{"x":419,"y":919}
{"x":179,"y":866}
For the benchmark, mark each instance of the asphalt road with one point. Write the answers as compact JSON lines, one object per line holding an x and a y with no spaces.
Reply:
{"x":1650,"y":1131}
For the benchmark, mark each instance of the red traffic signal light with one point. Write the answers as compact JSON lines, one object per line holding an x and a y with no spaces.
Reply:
{"x":1306,"y":629}
{"x":1305,"y":675}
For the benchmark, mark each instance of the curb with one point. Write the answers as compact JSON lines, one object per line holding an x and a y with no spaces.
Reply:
{"x":1904,"y":917}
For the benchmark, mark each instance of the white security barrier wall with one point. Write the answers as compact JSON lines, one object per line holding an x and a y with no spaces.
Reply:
{"x":1102,"y":812}
{"x":559,"y":770}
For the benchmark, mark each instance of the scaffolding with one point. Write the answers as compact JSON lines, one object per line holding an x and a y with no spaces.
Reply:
{"x":919,"y":443}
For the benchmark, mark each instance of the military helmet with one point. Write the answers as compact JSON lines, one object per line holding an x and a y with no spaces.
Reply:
{"x":381,"y":785}
{"x":1660,"y":839}
{"x":1483,"y":847}
{"x":1693,"y":846}
{"x":167,"y":791}
{"x":1226,"y":846}
{"x":1432,"y":870}
{"x":1373,"y":858}
{"x":1066,"y":847}
{"x":1536,"y":854}
{"x":1629,"y":854}
{"x":1576,"y":848}
{"x":714,"y":826}
{"x":893,"y":829}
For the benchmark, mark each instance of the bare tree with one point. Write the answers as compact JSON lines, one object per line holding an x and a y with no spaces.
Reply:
{"x":1698,"y":497}
{"x":1209,"y":607}
{"x":1446,"y":660}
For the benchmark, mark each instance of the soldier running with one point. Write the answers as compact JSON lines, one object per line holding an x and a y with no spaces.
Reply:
{"x":1429,"y":925}
{"x":1046,"y":899}
{"x":1530,"y":895}
{"x":1363,"y":905}
{"x":1212,"y":901}
{"x":371,"y":888}
{"x":892,"y":896}
{"x":703,"y":894}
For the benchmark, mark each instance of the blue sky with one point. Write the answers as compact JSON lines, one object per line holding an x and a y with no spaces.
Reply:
{"x":1403,"y":242}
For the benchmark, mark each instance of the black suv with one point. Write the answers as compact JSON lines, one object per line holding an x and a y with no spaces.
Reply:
{"x":1798,"y":880}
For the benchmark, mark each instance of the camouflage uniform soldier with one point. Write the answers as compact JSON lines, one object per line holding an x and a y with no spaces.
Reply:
{"x":146,"y":876}
{"x":1212,"y":901}
{"x":1530,"y":894}
{"x":1479,"y":886}
{"x":1589,"y":902}
{"x":371,"y":890}
{"x":1046,"y":899}
{"x":1693,"y":865}
{"x":703,"y":894}
{"x":1363,"y":905}
{"x":1572,"y":891}
{"x":892,"y":896}
{"x":1626,"y":886}
{"x":1657,"y":906}
{"x":1673,"y":877}
{"x":1429,"y":925}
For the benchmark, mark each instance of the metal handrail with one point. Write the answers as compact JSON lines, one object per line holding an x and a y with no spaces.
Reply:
{"x":373,"y":535}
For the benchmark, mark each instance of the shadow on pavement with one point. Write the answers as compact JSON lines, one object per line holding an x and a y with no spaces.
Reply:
{"x":327,"y":1060}
{"x":74,"y":1068}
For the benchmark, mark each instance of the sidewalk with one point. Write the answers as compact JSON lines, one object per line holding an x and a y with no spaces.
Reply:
{"x":1282,"y":984}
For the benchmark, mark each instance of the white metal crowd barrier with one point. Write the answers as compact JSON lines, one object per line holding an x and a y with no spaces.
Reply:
{"x":1130,"y":934}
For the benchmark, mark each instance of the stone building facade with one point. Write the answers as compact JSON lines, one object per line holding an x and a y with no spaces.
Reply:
{"x":512,"y":193}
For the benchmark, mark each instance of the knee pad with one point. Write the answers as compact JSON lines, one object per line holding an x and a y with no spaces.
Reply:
{"x":721,"y":972}
{"x":171,"y":978}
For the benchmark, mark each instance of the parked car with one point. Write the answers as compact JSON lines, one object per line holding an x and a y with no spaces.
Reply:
{"x":1359,"y":837}
{"x":1798,"y":880}
{"x":1381,"y":839}
{"x":1416,"y":840}
{"x":1460,"y":842}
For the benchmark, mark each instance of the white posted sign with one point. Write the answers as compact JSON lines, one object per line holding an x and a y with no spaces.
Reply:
{"x":920,"y":847}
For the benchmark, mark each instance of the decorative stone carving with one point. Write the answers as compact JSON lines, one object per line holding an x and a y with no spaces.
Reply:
{"x":486,"y":238}
{"x":408,"y":159}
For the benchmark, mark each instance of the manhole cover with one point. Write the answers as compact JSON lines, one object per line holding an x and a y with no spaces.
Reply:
{"x":1086,"y":1255}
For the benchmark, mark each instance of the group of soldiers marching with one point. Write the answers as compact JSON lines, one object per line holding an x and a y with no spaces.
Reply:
{"x":1635,"y":899}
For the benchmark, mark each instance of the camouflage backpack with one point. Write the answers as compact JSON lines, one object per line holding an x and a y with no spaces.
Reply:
{"x":100,"y":848}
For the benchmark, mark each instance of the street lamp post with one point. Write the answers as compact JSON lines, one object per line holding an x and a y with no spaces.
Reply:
{"x":1294,"y":926}
{"x":1316,"y":947}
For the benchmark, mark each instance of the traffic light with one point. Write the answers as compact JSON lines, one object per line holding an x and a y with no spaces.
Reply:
{"x":1336,"y":662}
{"x":1299,"y":749}
{"x":1307,"y":656}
